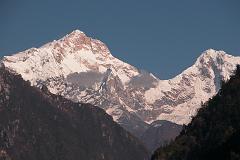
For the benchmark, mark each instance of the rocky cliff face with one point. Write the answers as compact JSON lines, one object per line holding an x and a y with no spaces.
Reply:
{"x":82,"y":69}
{"x":38,"y":125}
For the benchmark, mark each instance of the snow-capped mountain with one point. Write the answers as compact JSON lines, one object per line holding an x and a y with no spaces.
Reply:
{"x":82,"y":69}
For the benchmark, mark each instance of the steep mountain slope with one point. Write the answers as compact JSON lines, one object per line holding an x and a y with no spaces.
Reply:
{"x":215,"y":131}
{"x":160,"y":133}
{"x":37,"y":125}
{"x":181,"y":96}
{"x":82,"y":69}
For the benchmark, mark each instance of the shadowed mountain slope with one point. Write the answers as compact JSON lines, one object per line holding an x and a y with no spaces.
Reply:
{"x":37,"y":125}
{"x":160,"y":133}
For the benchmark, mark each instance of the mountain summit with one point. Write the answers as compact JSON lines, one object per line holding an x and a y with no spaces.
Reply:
{"x":83,"y":69}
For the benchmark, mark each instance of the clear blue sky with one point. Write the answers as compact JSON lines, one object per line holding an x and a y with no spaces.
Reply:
{"x":160,"y":36}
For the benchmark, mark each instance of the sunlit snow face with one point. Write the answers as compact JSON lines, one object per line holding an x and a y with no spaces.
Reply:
{"x":82,"y":62}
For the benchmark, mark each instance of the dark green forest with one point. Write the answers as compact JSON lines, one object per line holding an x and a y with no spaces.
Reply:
{"x":214,"y":133}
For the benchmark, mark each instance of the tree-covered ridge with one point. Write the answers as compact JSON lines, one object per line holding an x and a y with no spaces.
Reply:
{"x":214,"y":132}
{"x":38,"y":125}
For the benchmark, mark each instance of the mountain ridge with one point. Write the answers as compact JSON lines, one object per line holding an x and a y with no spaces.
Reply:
{"x":75,"y":66}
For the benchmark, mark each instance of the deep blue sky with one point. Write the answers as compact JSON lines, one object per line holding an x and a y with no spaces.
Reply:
{"x":160,"y":36}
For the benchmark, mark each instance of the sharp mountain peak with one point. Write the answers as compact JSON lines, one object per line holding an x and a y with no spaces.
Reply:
{"x":75,"y":67}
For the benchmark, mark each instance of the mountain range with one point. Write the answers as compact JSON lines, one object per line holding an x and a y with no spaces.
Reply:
{"x":82,"y":69}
